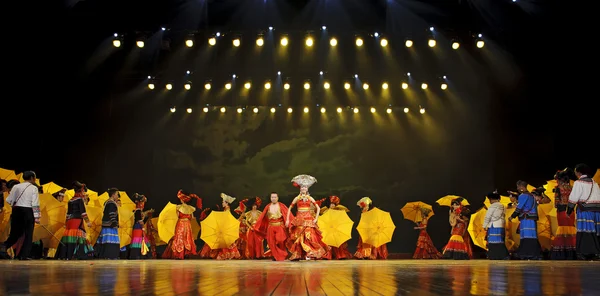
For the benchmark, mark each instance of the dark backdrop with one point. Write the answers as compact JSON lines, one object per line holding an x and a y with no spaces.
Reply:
{"x":513,"y":110}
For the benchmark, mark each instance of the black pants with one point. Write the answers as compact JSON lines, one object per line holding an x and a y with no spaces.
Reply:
{"x":21,"y":224}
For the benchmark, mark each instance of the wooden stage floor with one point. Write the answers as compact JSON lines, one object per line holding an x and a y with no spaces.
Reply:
{"x":351,"y":277}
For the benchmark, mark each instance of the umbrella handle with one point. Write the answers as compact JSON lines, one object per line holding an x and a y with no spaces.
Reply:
{"x":44,"y":226}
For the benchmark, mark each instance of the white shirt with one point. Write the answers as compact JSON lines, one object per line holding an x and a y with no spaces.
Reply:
{"x":29,"y":197}
{"x":581,"y":192}
{"x":495,"y":216}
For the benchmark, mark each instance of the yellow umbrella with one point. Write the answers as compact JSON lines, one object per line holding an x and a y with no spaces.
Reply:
{"x":126,"y":202}
{"x":125,"y":225}
{"x":505,"y":200}
{"x":51,"y":188}
{"x":476,"y":228}
{"x":53,"y":217}
{"x":157,"y":240}
{"x":95,"y":215}
{"x":91,"y":193}
{"x":376,"y":227}
{"x":597,"y":176}
{"x":220,"y":229}
{"x":544,"y":231}
{"x":447,"y":200}
{"x":8,"y":174}
{"x":412,"y":211}
{"x":5,"y":220}
{"x":336,"y":227}
{"x":511,"y":227}
{"x":167,"y":220}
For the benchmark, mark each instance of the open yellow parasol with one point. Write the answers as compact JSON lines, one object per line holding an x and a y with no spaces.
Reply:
{"x":91,"y":193}
{"x":336,"y":227}
{"x":505,"y":200}
{"x":53,"y":217}
{"x":125,"y":225}
{"x":220,"y":229}
{"x":511,"y":227}
{"x":126,"y":202}
{"x":412,"y":211}
{"x":167,"y":220}
{"x":544,"y":230}
{"x":95,"y":215}
{"x":476,"y":228}
{"x":51,"y":188}
{"x":5,"y":220}
{"x":8,"y":174}
{"x":157,"y":240}
{"x":597,"y":176}
{"x":376,"y":227}
{"x":447,"y":200}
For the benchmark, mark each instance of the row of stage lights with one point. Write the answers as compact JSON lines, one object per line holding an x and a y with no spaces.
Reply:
{"x":309,"y":41}
{"x":291,"y":110}
{"x":286,"y":86}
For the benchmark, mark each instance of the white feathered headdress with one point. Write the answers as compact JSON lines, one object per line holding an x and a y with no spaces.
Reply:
{"x":226,"y":198}
{"x":304,"y":180}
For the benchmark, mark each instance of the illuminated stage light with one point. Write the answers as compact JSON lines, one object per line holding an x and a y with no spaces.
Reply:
{"x":255,"y":110}
{"x":212,"y":41}
{"x":239,"y":110}
{"x":117,"y":43}
{"x":480,"y":43}
{"x":355,"y":110}
{"x":223,"y":109}
{"x":455,"y":45}
{"x":260,"y":41}
{"x":406,"y":110}
{"x":205,"y":109}
{"x":187,"y":86}
{"x":272,"y":110}
{"x":384,"y":85}
{"x":431,"y":42}
{"x":373,"y":110}
{"x":189,"y":110}
{"x":408,"y":43}
{"x":169,"y":86}
{"x":444,"y":86}
{"x":359,"y":42}
{"x":268,"y":85}
{"x":423,"y":85}
{"x":365,"y":86}
{"x":172,"y":109}
{"x":247,"y":85}
{"x":347,"y":85}
{"x":383,"y":42}
{"x":326,"y":85}
{"x":140,"y":44}
{"x":228,"y":85}
{"x":422,"y":111}
{"x":286,"y":86}
{"x":404,"y":85}
{"x":236,"y":42}
{"x":290,"y":110}
{"x":305,"y":109}
{"x":323,"y":110}
{"x":339,"y":110}
{"x":207,"y":86}
{"x":333,"y":42}
{"x":306,"y":85}
{"x":151,"y":85}
{"x":309,"y":41}
{"x":284,"y":41}
{"x":389,"y":110}
{"x":189,"y":43}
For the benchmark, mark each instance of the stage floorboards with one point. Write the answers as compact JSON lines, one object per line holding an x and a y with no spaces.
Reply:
{"x":351,"y":277}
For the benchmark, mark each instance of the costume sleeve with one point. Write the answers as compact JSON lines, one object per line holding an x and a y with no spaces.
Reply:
{"x":35,"y":203}
{"x":82,"y":209}
{"x":521,"y":201}
{"x":488,"y":216}
{"x":112,"y":214}
{"x":574,"y":197}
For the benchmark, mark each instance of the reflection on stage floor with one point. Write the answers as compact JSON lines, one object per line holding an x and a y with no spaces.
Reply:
{"x":351,"y":277}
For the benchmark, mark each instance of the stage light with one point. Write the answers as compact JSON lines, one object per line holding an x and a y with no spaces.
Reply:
{"x":389,"y":110}
{"x":207,"y":86}
{"x":339,"y":110}
{"x":151,"y":85}
{"x":289,"y":110}
{"x":406,"y":110}
{"x":284,"y":41}
{"x":373,"y":110}
{"x":188,"y":72}
{"x":326,"y":85}
{"x":423,"y":85}
{"x":189,"y":110}
{"x":376,"y":34}
{"x":309,"y":41}
{"x":272,"y":110}
{"x":218,"y":34}
{"x":117,"y":43}
{"x":383,"y":42}
{"x":431,"y":29}
{"x":359,"y":42}
{"x":455,"y":45}
{"x":255,"y":110}
{"x":422,"y":110}
{"x":189,"y":43}
{"x":480,"y":44}
{"x":306,"y":85}
{"x":431,"y":43}
{"x":163,"y":28}
{"x":212,"y":41}
{"x":247,"y":85}
{"x":172,"y":109}
{"x":333,"y":42}
{"x":286,"y":86}
{"x":228,"y":85}
{"x":355,"y":110}
{"x":404,"y":85}
{"x":305,"y":109}
{"x":140,"y":44}
{"x":205,"y":109}
{"x":267,"y":85}
{"x":385,"y":85}
{"x":236,"y":42}
{"x":444,"y":86}
{"x":169,"y":86}
{"x":239,"y":110}
{"x":270,"y":28}
{"x":260,"y":41}
{"x":278,"y":72}
{"x":223,"y":109}
{"x":347,"y":85}
{"x":408,"y":43}
{"x":187,"y":86}
{"x":323,"y":110}
{"x":365,"y":86}
{"x":320,"y":72}
{"x":324,"y":28}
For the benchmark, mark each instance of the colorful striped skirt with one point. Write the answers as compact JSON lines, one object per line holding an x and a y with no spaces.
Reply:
{"x":528,"y":229}
{"x":496,"y":235}
{"x":588,"y":222}
{"x":109,"y":235}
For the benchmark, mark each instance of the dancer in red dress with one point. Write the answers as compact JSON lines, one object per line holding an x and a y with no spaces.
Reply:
{"x":425,"y":248}
{"x":459,"y":245}
{"x":364,"y":250}
{"x":255,"y":248}
{"x":182,"y":243}
{"x":270,"y":224}
{"x":333,"y":203}
{"x":232,"y":252}
{"x":306,"y":240}
{"x":242,"y":242}
{"x":564,"y":242}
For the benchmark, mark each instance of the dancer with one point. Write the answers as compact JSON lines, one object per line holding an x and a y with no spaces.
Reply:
{"x":182,"y":243}
{"x":108,"y":243}
{"x":242,"y":241}
{"x":305,"y":239}
{"x":232,"y":251}
{"x":341,"y":252}
{"x":494,"y":225}
{"x":270,"y":224}
{"x":255,"y":247}
{"x":149,"y":230}
{"x":425,"y":248}
{"x":139,"y":244}
{"x":364,"y":250}
{"x":564,"y":242}
{"x":206,"y":252}
{"x":74,"y":244}
{"x":586,"y":195}
{"x":458,"y":247}
{"x":527,"y":211}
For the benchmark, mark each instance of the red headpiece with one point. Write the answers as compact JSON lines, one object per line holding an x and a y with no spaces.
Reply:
{"x":320,"y":201}
{"x":187,"y":198}
{"x":334,"y":199}
{"x":258,"y":201}
{"x":296,"y":184}
{"x":242,"y":207}
{"x":204,"y":214}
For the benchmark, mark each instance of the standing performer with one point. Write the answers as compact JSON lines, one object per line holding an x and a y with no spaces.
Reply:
{"x":74,"y":244}
{"x":458,"y":247}
{"x":255,"y":248}
{"x":425,"y":248}
{"x":138,"y":247}
{"x":25,"y":202}
{"x":494,"y":225}
{"x":232,"y":251}
{"x":526,"y":210}
{"x":108,"y":243}
{"x":564,"y":242}
{"x":149,"y":232}
{"x":305,"y":239}
{"x":586,"y":195}
{"x":182,"y":243}
{"x":270,"y":224}
{"x":242,"y":241}
{"x":333,"y":203}
{"x":364,"y":250}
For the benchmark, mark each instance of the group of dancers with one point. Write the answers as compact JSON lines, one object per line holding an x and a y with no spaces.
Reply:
{"x":298,"y":237}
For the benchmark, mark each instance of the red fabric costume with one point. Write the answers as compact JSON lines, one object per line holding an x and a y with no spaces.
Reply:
{"x":242,"y":242}
{"x":255,"y":249}
{"x":342,"y":251}
{"x":305,"y":238}
{"x":182,"y":243}
{"x":425,"y":248}
{"x":271,"y":225}
{"x":366,"y":251}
